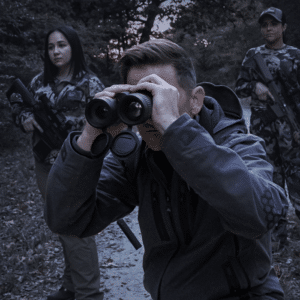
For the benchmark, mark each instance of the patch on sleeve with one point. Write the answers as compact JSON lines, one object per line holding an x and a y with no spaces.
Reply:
{"x":272,"y":213}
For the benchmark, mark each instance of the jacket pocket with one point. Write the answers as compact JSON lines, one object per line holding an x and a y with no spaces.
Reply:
{"x":237,"y":279}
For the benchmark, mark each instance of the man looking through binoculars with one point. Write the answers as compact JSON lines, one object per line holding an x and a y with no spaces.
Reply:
{"x":171,"y":101}
{"x":204,"y":188}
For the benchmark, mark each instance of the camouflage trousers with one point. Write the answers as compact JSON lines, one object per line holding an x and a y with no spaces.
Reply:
{"x":282,"y":149}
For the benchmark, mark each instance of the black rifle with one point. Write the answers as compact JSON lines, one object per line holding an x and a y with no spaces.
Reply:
{"x":279,"y":108}
{"x":54,"y":134}
{"x":53,"y":125}
{"x":130,"y":235}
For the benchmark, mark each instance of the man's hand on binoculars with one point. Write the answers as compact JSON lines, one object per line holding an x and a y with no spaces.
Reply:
{"x":165,"y":109}
{"x":90,"y":133}
{"x":88,"y":136}
{"x":111,"y":91}
{"x":165,"y":91}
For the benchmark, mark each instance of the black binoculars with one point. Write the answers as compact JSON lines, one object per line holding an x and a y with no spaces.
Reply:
{"x":131,"y":109}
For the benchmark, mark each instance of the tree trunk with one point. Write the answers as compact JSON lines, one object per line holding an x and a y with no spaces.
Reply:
{"x":153,"y":12}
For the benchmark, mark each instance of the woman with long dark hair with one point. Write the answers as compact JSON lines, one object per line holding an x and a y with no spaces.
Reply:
{"x":63,"y":87}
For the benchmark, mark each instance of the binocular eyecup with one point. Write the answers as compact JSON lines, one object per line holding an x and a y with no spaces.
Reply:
{"x":129,"y":108}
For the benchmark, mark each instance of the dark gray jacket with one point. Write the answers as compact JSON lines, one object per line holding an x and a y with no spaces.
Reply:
{"x":206,"y":206}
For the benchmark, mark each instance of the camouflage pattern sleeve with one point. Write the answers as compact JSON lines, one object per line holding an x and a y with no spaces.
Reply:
{"x":95,"y":86}
{"x":298,"y":66}
{"x":296,"y":95}
{"x":245,"y":84}
{"x":20,"y":111}
{"x":289,"y":76}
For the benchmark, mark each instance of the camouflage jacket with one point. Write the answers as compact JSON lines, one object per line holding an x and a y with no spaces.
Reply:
{"x":67,"y":98}
{"x":284,"y":65}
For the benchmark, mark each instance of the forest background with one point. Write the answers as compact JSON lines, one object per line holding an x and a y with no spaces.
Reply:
{"x":216,"y":34}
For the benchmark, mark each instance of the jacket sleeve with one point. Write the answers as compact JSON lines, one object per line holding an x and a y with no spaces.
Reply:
{"x":245,"y":84}
{"x":233,"y":177}
{"x":84,"y":194}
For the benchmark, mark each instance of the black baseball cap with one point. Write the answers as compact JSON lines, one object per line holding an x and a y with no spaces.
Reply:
{"x":276,"y":13}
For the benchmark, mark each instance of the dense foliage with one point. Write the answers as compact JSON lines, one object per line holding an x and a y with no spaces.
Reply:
{"x":106,"y":27}
{"x":216,"y":32}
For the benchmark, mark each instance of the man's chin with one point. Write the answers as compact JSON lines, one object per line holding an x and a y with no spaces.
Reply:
{"x":154,"y":147}
{"x":153,"y":142}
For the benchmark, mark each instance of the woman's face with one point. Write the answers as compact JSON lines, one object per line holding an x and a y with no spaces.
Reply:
{"x":59,"y":49}
{"x":272,"y":30}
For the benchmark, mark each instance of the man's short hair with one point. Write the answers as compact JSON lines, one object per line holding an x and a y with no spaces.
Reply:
{"x":164,"y":52}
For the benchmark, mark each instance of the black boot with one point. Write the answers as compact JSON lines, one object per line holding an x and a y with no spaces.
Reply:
{"x":62,"y":294}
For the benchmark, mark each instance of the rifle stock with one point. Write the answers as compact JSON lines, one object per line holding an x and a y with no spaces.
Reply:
{"x":19,"y":88}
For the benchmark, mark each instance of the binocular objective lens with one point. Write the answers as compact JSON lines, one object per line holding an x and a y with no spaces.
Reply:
{"x":101,"y":112}
{"x":134,"y":110}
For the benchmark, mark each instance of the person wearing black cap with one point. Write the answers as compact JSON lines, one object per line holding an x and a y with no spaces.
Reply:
{"x":282,"y":146}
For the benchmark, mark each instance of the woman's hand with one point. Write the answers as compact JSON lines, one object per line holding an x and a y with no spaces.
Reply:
{"x":30,"y":123}
{"x":263,"y":92}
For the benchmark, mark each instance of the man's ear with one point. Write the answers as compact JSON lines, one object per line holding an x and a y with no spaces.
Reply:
{"x":196,"y":100}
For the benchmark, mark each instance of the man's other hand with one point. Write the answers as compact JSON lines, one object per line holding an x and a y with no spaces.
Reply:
{"x":89,"y":132}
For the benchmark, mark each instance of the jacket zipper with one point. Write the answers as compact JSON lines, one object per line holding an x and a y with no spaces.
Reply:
{"x":184,"y":199}
{"x":158,"y":218}
{"x":237,"y":251}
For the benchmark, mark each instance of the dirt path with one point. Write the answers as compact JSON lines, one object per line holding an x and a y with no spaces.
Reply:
{"x":120,"y":264}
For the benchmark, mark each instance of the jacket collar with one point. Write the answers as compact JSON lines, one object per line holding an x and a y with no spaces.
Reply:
{"x":74,"y":80}
{"x":213,"y":118}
